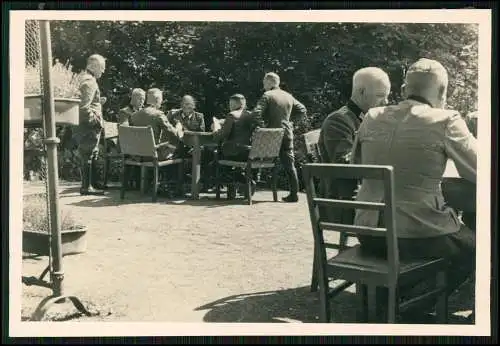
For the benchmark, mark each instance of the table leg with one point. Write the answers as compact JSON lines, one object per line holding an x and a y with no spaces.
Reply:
{"x":195,"y":175}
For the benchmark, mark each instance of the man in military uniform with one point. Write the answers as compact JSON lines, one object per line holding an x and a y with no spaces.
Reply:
{"x":370,"y":88}
{"x":88,"y":132}
{"x":236,"y":133}
{"x":136,"y":102}
{"x":163,"y":130}
{"x":273,"y":110}
{"x":187,"y":116}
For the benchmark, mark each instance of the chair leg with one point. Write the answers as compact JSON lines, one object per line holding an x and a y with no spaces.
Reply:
{"x":362,"y":295}
{"x":314,"y":277}
{"x":124,"y":180}
{"x":217,"y":181}
{"x":143,"y":179}
{"x":274,"y":184}
{"x":442,"y":302}
{"x":324,"y":301}
{"x":249,"y":184}
{"x":393,"y":305}
{"x":180,"y":179}
{"x":105,"y":171}
{"x":343,"y":240}
{"x":155,"y":182}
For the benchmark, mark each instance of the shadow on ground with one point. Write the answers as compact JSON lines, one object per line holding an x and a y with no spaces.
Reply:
{"x":298,"y":305}
{"x":112,"y":198}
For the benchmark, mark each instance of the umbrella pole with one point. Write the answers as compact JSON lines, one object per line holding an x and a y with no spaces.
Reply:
{"x":51,"y":141}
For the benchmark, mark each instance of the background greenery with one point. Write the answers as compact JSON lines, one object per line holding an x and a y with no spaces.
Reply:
{"x":211,"y":61}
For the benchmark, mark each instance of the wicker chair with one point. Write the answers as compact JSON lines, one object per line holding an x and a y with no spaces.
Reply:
{"x":264,"y":152}
{"x":138,"y":148}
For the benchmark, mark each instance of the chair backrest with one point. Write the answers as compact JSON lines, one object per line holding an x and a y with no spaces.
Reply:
{"x":110,"y":129}
{"x":266,"y":143}
{"x":311,"y":139}
{"x":387,"y":207}
{"x":137,"y":140}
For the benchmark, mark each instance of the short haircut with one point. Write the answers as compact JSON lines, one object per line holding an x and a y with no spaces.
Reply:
{"x":369,"y":74}
{"x":426,"y":74}
{"x":137,"y":92}
{"x":237,"y":97}
{"x":96,"y":58}
{"x":154,"y":96}
{"x":188,"y":97}
{"x":272,"y":77}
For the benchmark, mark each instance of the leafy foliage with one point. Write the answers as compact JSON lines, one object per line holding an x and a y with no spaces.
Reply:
{"x":315,"y":61}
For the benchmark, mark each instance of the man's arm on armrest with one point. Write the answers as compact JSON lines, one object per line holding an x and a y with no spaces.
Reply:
{"x":461,"y":147}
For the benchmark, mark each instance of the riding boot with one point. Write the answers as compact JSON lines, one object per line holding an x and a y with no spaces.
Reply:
{"x":87,"y":188}
{"x":94,"y":173}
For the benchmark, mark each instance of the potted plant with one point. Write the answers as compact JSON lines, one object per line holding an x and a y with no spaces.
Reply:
{"x":66,"y":95}
{"x":36,"y":231}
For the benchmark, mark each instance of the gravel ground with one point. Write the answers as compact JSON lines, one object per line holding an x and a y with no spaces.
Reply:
{"x":191,"y":261}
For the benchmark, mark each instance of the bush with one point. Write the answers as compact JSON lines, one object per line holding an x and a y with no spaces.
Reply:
{"x":35,"y":215}
{"x":66,"y":83}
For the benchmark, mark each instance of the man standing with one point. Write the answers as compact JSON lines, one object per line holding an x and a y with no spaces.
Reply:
{"x":273,"y":110}
{"x":370,"y":88}
{"x":88,"y":132}
{"x":417,"y":137}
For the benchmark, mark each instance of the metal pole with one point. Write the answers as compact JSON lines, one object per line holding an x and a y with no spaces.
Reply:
{"x":51,"y":142}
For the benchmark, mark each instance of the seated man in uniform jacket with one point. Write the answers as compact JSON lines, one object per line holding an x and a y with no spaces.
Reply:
{"x":236,"y":133}
{"x":417,"y":137}
{"x":370,"y":88}
{"x":136,"y":103}
{"x":151,"y":115}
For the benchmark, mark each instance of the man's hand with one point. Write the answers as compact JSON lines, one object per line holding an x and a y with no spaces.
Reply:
{"x":216,"y":126}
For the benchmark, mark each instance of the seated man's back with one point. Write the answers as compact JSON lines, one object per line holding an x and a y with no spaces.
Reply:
{"x":417,"y":140}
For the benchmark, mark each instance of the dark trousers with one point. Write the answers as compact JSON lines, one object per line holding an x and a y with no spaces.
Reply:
{"x":88,"y":149}
{"x":287,"y":159}
{"x":459,"y":249}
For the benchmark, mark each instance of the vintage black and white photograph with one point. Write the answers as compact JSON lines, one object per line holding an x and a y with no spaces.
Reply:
{"x":284,"y":172}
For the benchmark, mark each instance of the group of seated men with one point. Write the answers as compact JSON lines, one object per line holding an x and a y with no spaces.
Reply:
{"x":233,"y":133}
{"x":416,"y":137}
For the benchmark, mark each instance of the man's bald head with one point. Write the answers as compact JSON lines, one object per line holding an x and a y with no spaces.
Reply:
{"x":96,"y":64}
{"x":370,"y":87}
{"x":154,"y":97}
{"x":429,"y":79}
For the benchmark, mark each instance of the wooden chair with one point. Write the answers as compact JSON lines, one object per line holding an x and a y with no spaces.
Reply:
{"x":366,"y":271}
{"x":311,"y":139}
{"x":138,"y":141}
{"x":109,"y":133}
{"x":264,"y":151}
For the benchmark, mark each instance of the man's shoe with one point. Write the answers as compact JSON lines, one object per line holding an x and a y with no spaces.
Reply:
{"x":291,"y":199}
{"x":91,"y":192}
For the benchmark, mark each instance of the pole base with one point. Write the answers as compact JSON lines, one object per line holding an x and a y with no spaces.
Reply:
{"x":47,"y":303}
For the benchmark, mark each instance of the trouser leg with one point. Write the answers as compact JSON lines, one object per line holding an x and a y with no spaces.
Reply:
{"x":287,"y":159}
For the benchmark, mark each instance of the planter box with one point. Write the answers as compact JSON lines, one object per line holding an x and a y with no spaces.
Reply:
{"x":67,"y":111}
{"x":73,"y":242}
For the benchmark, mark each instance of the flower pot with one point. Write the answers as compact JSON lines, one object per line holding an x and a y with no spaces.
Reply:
{"x":67,"y":111}
{"x":74,"y":242}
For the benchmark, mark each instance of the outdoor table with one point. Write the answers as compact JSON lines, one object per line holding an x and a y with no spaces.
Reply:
{"x":458,"y":192}
{"x":197,"y":140}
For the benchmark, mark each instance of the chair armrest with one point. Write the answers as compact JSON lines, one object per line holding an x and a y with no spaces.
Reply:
{"x":165,"y":144}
